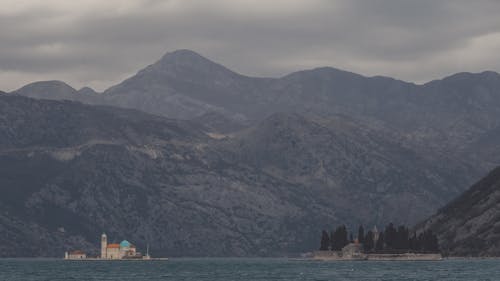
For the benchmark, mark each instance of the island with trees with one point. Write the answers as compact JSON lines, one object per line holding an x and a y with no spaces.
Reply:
{"x":393,"y":243}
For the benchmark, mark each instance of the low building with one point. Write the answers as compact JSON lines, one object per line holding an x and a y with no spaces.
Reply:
{"x":353,"y":251}
{"x":75,"y":255}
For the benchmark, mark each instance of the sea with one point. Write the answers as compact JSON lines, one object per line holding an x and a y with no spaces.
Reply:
{"x":241,"y":269}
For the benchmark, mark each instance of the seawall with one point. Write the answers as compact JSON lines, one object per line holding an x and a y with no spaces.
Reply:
{"x":339,"y":256}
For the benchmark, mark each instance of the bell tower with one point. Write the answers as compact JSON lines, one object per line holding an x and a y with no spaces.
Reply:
{"x":104,"y":245}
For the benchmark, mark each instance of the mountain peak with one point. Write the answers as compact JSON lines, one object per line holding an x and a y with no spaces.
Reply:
{"x":53,"y":89}
{"x":184,"y":57}
{"x":181,"y":53}
{"x":466,"y":76}
{"x":48,"y":84}
{"x":87,"y":91}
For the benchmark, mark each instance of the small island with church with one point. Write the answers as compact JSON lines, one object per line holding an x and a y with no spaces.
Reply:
{"x":112,"y":251}
{"x":391,"y":244}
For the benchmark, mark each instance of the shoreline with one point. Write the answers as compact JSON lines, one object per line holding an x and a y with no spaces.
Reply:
{"x":98,"y":259}
{"x":291,"y":258}
{"x":339,"y":256}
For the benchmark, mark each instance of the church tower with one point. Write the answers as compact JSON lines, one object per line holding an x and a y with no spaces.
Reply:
{"x":104,"y":245}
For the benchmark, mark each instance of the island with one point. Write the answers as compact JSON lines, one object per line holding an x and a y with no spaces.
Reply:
{"x":391,"y":244}
{"x":112,"y":251}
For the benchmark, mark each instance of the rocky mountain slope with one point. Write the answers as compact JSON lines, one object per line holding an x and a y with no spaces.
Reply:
{"x":470,"y":224}
{"x":69,"y":171}
{"x":341,"y":146}
{"x":359,"y":167}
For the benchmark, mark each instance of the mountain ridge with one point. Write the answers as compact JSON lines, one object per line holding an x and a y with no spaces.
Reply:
{"x":468,"y":225}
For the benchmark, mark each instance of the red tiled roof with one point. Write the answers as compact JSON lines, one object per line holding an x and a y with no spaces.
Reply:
{"x":77,"y":252}
{"x":113,"y":246}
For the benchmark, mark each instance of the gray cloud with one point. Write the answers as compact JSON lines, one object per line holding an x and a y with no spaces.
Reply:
{"x":99,"y":43}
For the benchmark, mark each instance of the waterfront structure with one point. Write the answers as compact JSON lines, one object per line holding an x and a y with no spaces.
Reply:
{"x":124,"y":250}
{"x":75,"y":255}
{"x":354,"y":251}
{"x":113,"y":251}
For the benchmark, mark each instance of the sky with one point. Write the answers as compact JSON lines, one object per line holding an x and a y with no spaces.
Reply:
{"x":99,"y":43}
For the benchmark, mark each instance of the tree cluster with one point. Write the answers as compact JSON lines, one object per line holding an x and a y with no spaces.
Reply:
{"x":336,"y":240}
{"x":391,"y":240}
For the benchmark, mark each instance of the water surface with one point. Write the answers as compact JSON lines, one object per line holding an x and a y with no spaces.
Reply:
{"x":247,"y":269}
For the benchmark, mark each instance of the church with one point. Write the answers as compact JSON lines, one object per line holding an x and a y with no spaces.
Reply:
{"x":124,"y":250}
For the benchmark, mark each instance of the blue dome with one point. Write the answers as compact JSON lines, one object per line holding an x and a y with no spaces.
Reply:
{"x":124,"y":244}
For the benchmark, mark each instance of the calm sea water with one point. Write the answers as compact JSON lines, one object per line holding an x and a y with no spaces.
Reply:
{"x":247,"y":269}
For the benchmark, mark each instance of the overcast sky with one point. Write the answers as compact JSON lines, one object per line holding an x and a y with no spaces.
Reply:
{"x":100,"y":42}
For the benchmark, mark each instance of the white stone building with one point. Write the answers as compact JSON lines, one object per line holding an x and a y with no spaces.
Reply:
{"x":115,"y":251}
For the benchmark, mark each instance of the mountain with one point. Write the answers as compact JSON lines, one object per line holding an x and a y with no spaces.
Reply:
{"x":87,"y":91}
{"x":443,"y":115}
{"x":218,"y":123}
{"x":55,"y":90}
{"x":348,"y":163}
{"x":48,"y":90}
{"x":469,"y":225}
{"x":70,"y":171}
{"x":334,"y":146}
{"x":184,"y":85}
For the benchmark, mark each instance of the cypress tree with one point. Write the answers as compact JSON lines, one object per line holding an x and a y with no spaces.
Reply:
{"x":379,"y":246}
{"x":344,"y":234}
{"x":390,"y":235}
{"x":401,"y":238}
{"x":325,"y":241}
{"x":368,"y":244}
{"x":340,"y":238}
{"x":361,"y":234}
{"x":332,"y":240}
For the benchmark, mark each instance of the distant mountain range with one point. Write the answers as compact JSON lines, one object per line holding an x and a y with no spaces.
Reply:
{"x":258,"y":166}
{"x":446,"y":116}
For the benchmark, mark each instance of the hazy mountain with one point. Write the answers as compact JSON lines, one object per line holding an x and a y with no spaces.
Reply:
{"x":469,"y":225}
{"x":87,"y":91}
{"x":69,"y":171}
{"x":183,"y":84}
{"x":48,"y":90}
{"x":56,"y":90}
{"x":445,"y":114}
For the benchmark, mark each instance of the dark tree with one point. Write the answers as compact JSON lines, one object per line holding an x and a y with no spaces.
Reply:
{"x":390,"y":235}
{"x":332,"y":240}
{"x":369,"y":243}
{"x":413,"y":243}
{"x":428,"y":241}
{"x":361,"y":234}
{"x":343,"y":236}
{"x":401,"y":241}
{"x":392,"y":239}
{"x":380,"y":245}
{"x":340,"y":238}
{"x":325,"y":241}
